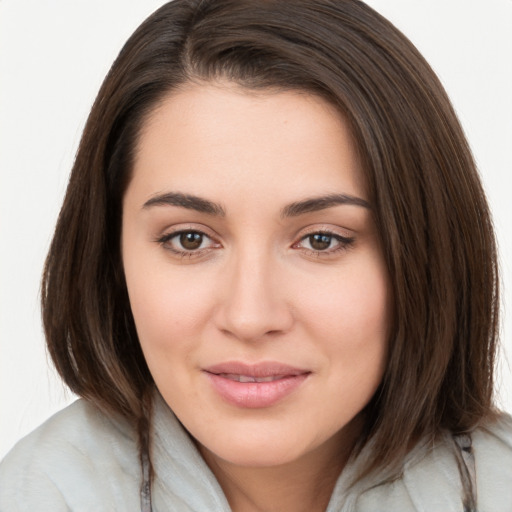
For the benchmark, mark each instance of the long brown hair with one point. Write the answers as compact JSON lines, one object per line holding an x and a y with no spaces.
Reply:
{"x":429,"y":205}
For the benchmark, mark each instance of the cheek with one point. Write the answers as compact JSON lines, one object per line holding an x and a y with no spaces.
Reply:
{"x":168,"y":307}
{"x":367,"y":305}
{"x":352,"y":310}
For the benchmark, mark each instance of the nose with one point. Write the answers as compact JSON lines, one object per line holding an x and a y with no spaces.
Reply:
{"x":253,"y":304}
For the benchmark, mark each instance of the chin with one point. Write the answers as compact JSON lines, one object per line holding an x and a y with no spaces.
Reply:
{"x":260,"y":447}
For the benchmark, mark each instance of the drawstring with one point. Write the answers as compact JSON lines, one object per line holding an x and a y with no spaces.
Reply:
{"x":145,"y":492}
{"x":466,"y":462}
{"x":145,"y":433}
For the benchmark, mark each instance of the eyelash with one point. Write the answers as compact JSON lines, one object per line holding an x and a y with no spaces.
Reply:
{"x":344,"y":243}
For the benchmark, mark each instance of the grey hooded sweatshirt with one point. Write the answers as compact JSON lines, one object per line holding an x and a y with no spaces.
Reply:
{"x":81,"y":460}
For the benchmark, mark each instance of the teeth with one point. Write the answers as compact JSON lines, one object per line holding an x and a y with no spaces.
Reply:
{"x":249,"y":378}
{"x":245,"y":378}
{"x":268,"y":379}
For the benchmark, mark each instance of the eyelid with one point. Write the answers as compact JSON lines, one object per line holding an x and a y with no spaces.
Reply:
{"x":186,"y":227}
{"x":325,"y":228}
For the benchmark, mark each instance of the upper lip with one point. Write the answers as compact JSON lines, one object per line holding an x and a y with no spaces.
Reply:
{"x":262,"y":369}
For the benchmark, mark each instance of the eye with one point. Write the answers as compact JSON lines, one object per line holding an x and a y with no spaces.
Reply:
{"x":324,"y":243}
{"x":190,"y":240}
{"x":320,"y":241}
{"x":187,"y":242}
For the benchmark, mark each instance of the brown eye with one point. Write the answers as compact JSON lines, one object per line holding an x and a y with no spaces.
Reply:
{"x":320,"y":241}
{"x":190,"y":243}
{"x":191,"y":240}
{"x":324,"y":243}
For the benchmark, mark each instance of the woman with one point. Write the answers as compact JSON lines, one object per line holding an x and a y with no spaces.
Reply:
{"x":273,"y":279}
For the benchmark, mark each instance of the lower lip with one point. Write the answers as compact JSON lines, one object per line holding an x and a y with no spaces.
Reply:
{"x":255,"y":395}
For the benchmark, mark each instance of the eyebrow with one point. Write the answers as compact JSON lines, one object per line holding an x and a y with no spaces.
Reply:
{"x":295,"y":209}
{"x":188,"y":201}
{"x":322,"y":203}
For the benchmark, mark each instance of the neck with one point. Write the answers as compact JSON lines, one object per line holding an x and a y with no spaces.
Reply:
{"x":305,"y":484}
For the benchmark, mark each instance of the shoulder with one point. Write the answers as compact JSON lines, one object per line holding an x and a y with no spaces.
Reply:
{"x":492,"y":446}
{"x":432,"y":475}
{"x":80,"y":459}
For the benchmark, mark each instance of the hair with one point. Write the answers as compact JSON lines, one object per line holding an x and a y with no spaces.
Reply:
{"x":428,"y":203}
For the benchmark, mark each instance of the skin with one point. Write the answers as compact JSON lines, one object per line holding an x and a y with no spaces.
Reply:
{"x":259,"y":287}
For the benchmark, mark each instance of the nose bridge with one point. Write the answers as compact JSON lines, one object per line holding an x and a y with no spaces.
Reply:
{"x":253,"y":303}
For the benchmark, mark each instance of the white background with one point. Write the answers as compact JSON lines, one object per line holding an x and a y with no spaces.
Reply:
{"x":53,"y":57}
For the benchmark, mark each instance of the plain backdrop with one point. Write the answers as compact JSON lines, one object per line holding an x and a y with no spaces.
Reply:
{"x":53,"y":57}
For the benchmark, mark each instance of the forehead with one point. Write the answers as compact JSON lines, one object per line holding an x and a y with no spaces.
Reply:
{"x":217,"y":137}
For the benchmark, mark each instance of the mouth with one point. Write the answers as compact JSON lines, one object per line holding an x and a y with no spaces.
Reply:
{"x":255,"y":386}
{"x":250,"y":378}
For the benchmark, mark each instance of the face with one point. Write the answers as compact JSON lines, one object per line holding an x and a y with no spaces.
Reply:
{"x":254,"y":271}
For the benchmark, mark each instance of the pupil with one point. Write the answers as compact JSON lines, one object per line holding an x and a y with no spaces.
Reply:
{"x":191,"y":241}
{"x":320,"y":242}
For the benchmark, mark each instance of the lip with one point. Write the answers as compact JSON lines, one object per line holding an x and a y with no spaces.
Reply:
{"x":280,"y":381}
